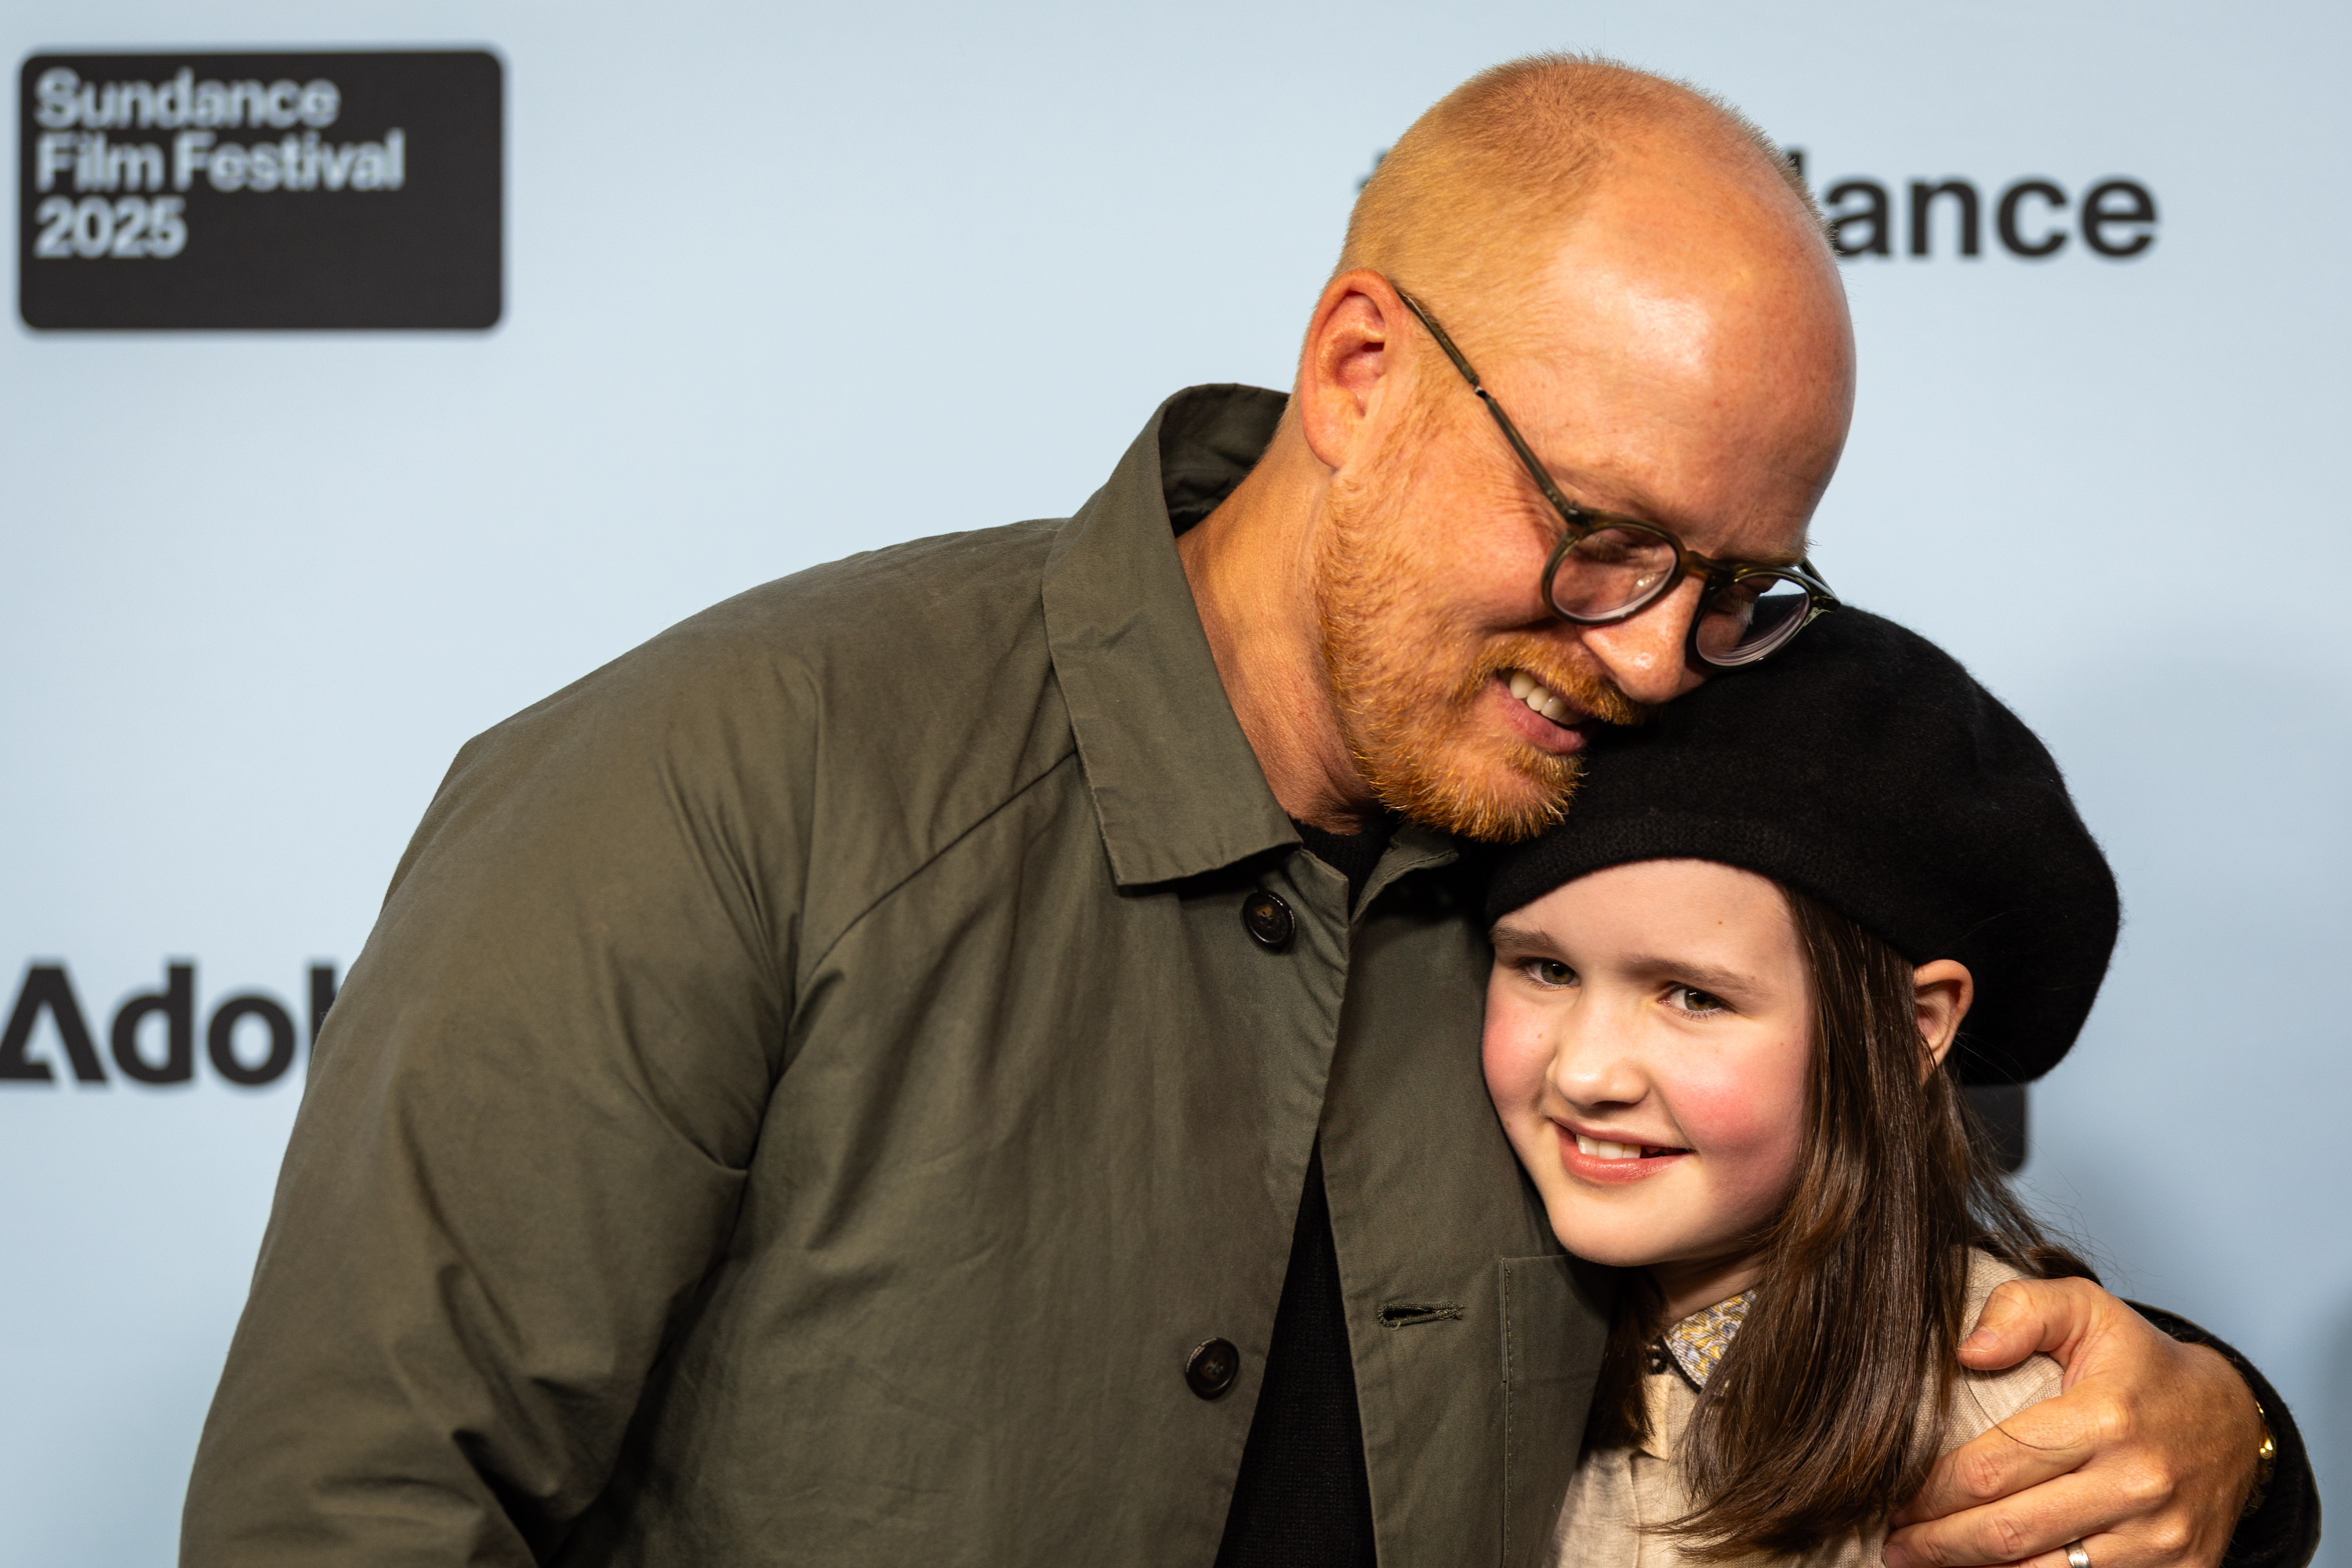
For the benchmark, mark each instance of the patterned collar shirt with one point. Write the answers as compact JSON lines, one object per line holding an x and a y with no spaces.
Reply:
{"x":1697,"y":1343}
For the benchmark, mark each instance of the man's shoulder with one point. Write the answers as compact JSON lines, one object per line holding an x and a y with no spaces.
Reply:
{"x":885,"y":616}
{"x":918,"y":630}
{"x":900,"y":676}
{"x":814,"y":740}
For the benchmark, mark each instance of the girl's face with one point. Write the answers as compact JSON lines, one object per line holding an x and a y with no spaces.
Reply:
{"x":1649,"y":1036}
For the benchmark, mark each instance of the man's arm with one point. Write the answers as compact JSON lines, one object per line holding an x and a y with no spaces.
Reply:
{"x":2148,"y":1458}
{"x":524,"y":1136}
{"x":2282,"y":1531}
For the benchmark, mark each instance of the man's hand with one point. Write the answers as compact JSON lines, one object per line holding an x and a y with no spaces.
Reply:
{"x":2146,"y":1457}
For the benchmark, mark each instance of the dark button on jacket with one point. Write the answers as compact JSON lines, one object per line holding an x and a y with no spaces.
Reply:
{"x":808,"y":1092}
{"x":1212,"y":1368}
{"x":1268,"y":919}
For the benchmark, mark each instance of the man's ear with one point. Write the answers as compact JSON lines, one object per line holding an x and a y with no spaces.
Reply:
{"x":1941,"y":992}
{"x":1348,"y":369}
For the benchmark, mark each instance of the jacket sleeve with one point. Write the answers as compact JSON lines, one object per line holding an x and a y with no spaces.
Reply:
{"x":525,"y":1133}
{"x":2283,"y":1531}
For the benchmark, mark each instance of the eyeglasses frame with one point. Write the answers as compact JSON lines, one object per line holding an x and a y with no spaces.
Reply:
{"x":1581,"y":521}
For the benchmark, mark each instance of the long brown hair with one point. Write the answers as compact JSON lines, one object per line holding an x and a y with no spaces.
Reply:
{"x":1810,"y":1425}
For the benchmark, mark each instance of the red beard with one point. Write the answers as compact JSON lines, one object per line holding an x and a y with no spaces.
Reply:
{"x":1407,"y":675}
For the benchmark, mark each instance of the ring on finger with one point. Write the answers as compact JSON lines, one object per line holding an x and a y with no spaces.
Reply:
{"x":2076,"y":1556}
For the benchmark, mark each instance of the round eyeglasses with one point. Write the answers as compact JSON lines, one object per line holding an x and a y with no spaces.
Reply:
{"x":1607,"y":569}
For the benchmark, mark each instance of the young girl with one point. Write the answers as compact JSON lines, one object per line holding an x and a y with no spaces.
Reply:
{"x":1733,"y":998}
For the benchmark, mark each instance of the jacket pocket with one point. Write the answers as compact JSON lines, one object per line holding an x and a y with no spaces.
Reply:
{"x":1555,"y":1320}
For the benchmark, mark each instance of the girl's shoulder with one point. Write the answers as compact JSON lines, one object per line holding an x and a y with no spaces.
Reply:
{"x":1981,"y":1400}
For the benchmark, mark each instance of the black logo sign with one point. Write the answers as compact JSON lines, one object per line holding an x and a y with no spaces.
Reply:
{"x":272,"y":191}
{"x":154,"y":1038}
{"x":2115,"y":217}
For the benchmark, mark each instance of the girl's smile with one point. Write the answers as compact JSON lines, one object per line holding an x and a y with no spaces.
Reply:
{"x":1612,"y":1157}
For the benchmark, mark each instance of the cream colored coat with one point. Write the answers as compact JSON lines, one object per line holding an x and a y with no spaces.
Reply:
{"x":1617,"y":1491}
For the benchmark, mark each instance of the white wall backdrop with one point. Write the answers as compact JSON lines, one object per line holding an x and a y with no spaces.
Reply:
{"x":787,"y":281}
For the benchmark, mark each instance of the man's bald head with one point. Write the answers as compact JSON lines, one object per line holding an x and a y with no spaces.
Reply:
{"x":1472,"y":201}
{"x":1636,"y":272}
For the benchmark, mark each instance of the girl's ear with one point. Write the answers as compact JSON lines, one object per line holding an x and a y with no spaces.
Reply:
{"x":1941,"y":991}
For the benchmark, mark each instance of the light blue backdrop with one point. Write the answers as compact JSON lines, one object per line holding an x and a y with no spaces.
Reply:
{"x":786,"y":282}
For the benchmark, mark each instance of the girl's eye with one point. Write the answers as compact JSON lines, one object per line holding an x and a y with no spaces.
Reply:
{"x":1549,"y":972}
{"x":1690,"y":999}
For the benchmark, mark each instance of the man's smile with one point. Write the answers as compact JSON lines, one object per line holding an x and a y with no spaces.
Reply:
{"x":1545,"y":718}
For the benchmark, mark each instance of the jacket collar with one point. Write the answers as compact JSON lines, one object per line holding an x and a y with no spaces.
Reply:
{"x":1176,"y":787}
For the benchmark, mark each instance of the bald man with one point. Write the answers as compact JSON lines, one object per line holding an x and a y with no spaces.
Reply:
{"x":969,"y":1055}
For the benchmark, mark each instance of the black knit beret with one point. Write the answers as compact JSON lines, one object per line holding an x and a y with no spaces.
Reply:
{"x":1863,"y":766}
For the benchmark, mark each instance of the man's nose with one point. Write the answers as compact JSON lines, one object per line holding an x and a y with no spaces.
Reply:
{"x":1644,"y":655}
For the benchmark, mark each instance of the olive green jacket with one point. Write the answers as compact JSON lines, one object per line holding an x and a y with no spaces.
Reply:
{"x":810,"y":1089}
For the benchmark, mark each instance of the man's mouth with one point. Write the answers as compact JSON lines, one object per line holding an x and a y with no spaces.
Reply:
{"x":1541,"y":699}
